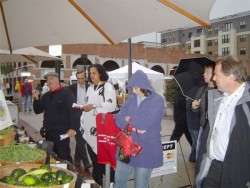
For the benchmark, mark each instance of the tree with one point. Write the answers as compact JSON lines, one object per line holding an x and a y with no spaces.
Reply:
{"x":6,"y":69}
{"x":170,"y":90}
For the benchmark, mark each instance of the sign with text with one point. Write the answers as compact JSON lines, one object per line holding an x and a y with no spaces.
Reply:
{"x":169,"y":159}
{"x":5,"y":118}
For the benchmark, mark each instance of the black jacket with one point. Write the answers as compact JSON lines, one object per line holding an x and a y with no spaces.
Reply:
{"x":58,"y":111}
{"x":73,"y":88}
{"x":180,"y":108}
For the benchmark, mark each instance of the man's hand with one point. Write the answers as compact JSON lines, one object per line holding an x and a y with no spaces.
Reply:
{"x":35,"y":94}
{"x":196,"y":104}
{"x":71,"y":133}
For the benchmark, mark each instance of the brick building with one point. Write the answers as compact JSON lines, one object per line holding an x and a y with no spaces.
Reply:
{"x":112,"y":57}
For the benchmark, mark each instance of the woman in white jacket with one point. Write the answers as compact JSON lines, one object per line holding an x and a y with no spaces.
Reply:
{"x":100,"y":98}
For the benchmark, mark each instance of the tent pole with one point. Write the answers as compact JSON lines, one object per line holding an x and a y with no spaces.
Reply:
{"x":129,"y":58}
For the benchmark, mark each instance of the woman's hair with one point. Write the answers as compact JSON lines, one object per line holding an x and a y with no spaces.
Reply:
{"x":101,"y":70}
{"x":233,"y":65}
{"x":145,"y":92}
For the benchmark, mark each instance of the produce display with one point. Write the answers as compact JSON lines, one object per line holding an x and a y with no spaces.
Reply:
{"x":38,"y":177}
{"x":18,"y":152}
{"x":7,"y":135}
{"x":7,"y":131}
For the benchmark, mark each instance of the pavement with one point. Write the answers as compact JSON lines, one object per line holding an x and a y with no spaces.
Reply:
{"x":185,"y":169}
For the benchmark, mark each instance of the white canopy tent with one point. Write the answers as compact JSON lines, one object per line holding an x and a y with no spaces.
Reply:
{"x":121,"y":76}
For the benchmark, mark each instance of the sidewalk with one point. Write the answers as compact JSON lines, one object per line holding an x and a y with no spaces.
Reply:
{"x":33,"y":123}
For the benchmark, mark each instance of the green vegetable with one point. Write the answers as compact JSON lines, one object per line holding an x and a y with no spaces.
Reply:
{"x":46,"y":166}
{"x":34,"y":172}
{"x":41,"y":184}
{"x":30,"y":180}
{"x":53,"y":182}
{"x":10,"y":180}
{"x":14,"y":152}
{"x":67,"y":179}
{"x":33,"y":169}
{"x":60,"y":174}
{"x":46,"y":176}
{"x":7,"y":131}
{"x":17,"y":173}
{"x":53,"y":174}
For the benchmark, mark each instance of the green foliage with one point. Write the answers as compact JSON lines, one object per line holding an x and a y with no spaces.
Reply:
{"x":6,"y":69}
{"x":170,"y":90}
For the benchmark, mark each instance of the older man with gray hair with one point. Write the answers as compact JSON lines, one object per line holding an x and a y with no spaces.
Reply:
{"x":59,"y":117}
{"x":224,"y":160}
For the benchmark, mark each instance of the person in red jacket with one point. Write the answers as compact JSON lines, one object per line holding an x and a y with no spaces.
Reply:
{"x":26,"y":92}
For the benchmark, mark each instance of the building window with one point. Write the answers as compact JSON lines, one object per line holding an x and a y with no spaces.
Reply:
{"x":19,"y":64}
{"x":216,"y":42}
{"x":225,"y":39}
{"x":242,"y":25}
{"x":225,"y":51}
{"x":216,"y":30}
{"x":209,"y":31}
{"x":197,"y":43}
{"x":174,"y":38}
{"x":197,"y":52}
{"x":164,"y":38}
{"x":242,"y":38}
{"x":210,"y":53}
{"x":243,"y":51}
{"x":183,"y":34}
{"x":209,"y":43}
{"x":229,"y":25}
{"x":199,"y":32}
{"x":189,"y":35}
{"x":189,"y":45}
{"x":170,"y":38}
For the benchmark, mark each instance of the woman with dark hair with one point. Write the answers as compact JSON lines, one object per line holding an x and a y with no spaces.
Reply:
{"x":143,"y":110}
{"x":100,"y":98}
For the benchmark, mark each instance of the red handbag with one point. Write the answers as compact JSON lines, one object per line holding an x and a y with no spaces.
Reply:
{"x":124,"y":140}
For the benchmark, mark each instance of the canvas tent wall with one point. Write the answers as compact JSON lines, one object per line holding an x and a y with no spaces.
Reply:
{"x":121,"y":76}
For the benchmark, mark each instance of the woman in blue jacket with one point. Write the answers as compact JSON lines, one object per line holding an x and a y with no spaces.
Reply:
{"x":144,"y":111}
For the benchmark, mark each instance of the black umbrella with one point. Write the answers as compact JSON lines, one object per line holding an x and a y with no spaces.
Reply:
{"x":189,"y":75}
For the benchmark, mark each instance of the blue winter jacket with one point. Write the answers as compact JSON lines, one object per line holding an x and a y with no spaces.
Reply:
{"x":147,"y":116}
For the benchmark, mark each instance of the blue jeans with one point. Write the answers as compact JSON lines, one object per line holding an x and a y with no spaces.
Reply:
{"x":123,"y":171}
{"x":27,"y":102}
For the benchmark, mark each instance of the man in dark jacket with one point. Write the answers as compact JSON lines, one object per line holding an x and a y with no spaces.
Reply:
{"x":59,"y":116}
{"x":225,"y":161}
{"x":79,"y":90}
{"x":180,"y":119}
